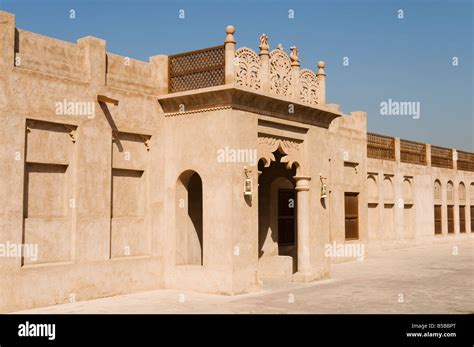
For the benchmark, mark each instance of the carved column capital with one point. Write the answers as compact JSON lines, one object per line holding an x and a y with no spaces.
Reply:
{"x":302,"y":183}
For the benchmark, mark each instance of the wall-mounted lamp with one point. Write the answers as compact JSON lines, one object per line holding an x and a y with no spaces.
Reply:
{"x":324,"y":186}
{"x":247,"y":182}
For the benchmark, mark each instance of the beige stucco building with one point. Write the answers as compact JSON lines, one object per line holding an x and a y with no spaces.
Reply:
{"x":211,"y":170}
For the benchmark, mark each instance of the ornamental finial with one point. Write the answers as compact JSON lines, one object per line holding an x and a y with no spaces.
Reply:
{"x":295,"y":60}
{"x":321,"y":65}
{"x":230,"y":30}
{"x":264,"y":44}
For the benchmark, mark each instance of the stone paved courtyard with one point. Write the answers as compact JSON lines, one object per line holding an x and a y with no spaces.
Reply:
{"x":430,"y":279}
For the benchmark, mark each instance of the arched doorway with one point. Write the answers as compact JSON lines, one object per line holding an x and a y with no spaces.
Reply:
{"x":189,"y":231}
{"x":277,"y":215}
{"x":280,"y":168}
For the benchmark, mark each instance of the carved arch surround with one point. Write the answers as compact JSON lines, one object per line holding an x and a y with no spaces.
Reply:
{"x":290,"y":148}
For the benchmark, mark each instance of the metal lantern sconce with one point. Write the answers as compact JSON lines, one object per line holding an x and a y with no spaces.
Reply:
{"x":247,"y":183}
{"x":324,"y":187}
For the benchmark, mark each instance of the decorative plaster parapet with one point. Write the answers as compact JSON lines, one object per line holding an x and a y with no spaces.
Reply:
{"x":278,"y":73}
{"x":87,"y":61}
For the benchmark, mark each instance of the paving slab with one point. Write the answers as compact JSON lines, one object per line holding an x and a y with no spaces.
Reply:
{"x":428,"y":279}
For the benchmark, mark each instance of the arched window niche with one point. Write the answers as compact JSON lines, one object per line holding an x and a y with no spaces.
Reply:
{"x":189,"y":220}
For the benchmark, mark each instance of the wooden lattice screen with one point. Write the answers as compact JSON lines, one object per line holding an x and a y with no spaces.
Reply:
{"x":441,"y":157}
{"x":380,"y":147}
{"x":196,"y":69}
{"x":437,"y":191}
{"x":465,"y":161}
{"x":450,"y":191}
{"x":412,"y":152}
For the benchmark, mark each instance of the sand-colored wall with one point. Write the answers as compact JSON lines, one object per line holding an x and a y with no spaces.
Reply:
{"x":62,"y":172}
{"x":403,"y":232}
{"x":348,"y":162}
{"x":96,"y":187}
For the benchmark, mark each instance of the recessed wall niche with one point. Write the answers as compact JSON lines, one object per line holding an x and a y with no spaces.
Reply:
{"x":48,"y":197}
{"x":129,"y":235}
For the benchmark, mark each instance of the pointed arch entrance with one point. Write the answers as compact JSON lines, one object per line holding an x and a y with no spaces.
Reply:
{"x":277,"y":211}
{"x":284,"y":220}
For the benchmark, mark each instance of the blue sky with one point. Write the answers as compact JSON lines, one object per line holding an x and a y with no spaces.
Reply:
{"x":406,"y":59}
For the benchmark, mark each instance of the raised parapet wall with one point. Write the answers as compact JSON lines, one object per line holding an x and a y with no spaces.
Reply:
{"x":268,"y":72}
{"x":395,"y":149}
{"x":404,"y":207}
{"x":274,"y":72}
{"x":48,"y":55}
{"x":127,"y":73}
{"x":85,"y":61}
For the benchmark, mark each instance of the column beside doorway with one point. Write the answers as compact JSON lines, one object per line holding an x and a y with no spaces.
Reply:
{"x":304,"y":273}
